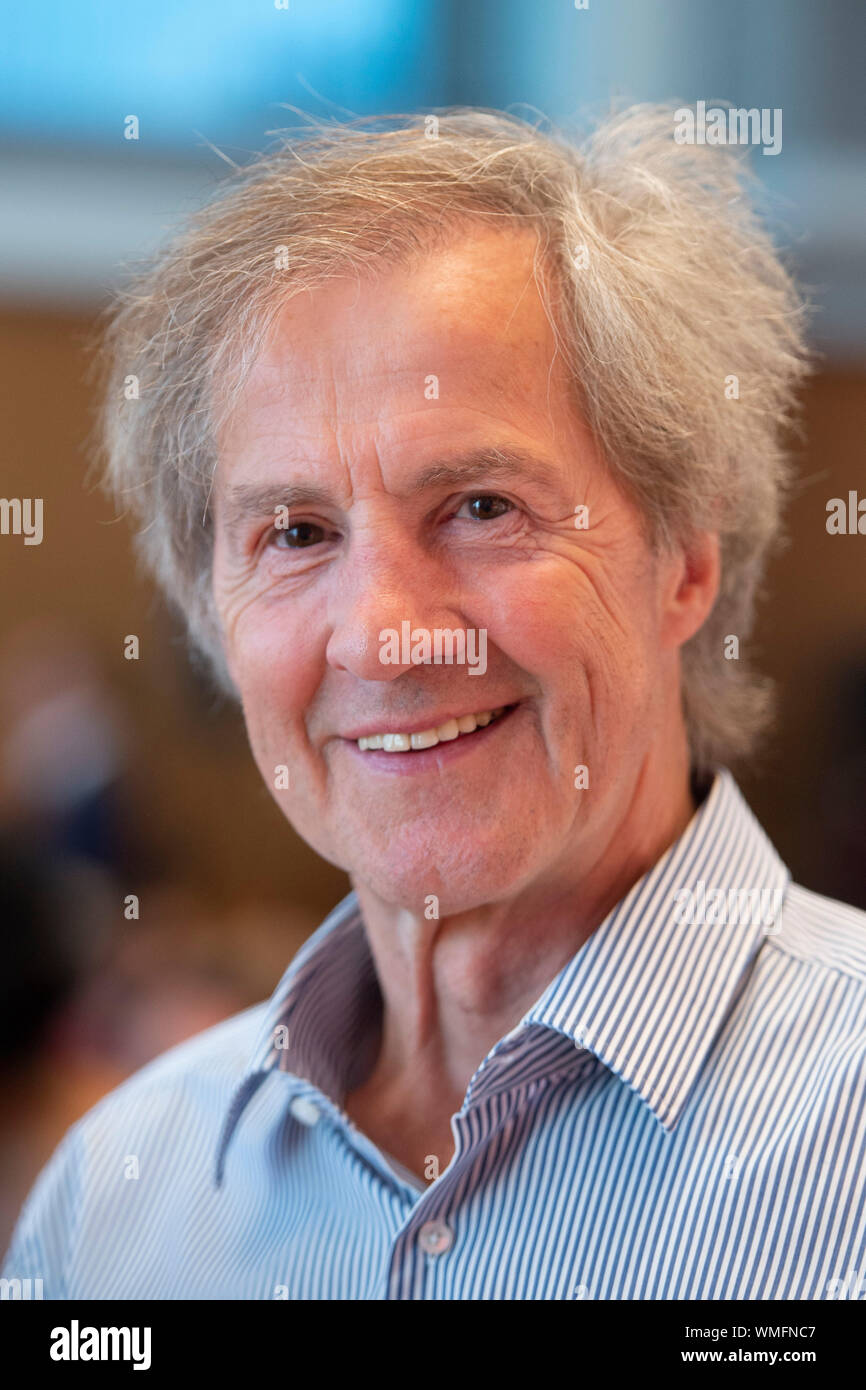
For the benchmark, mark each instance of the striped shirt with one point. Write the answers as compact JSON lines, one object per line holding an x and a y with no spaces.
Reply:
{"x":680,"y":1115}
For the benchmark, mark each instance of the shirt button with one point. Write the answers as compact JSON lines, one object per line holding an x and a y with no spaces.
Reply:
{"x":305,"y":1110}
{"x":435,"y":1237}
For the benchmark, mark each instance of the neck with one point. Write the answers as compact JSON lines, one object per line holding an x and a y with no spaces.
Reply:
{"x":453,"y":987}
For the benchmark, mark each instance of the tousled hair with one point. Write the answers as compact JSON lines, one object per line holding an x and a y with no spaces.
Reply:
{"x":659,"y":281}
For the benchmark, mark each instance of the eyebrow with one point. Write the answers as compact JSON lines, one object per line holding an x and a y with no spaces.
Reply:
{"x":246,"y":500}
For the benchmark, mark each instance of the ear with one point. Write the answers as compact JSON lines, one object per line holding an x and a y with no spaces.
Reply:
{"x":691,"y":587}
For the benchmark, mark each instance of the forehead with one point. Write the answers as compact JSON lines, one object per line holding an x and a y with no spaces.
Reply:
{"x":460,"y":324}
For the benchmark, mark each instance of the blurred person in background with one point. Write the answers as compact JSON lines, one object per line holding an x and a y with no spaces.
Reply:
{"x":575,"y":1033}
{"x":61,"y":843}
{"x":89,"y":991}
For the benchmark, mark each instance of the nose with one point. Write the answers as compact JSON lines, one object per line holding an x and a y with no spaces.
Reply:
{"x":383,"y":587}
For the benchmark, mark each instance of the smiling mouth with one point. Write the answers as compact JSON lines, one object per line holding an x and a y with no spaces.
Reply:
{"x":452,"y":729}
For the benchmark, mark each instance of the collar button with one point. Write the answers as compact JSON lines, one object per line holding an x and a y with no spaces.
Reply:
{"x":305,"y":1110}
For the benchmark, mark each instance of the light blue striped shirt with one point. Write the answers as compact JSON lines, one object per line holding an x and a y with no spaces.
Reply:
{"x":680,"y":1115}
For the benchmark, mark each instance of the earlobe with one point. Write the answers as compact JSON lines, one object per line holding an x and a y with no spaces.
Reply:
{"x":695,"y":588}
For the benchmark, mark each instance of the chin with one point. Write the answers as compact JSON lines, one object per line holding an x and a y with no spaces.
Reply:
{"x":461,"y":885}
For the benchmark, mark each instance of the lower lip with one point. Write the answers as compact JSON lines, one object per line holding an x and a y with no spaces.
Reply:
{"x":429,"y":759}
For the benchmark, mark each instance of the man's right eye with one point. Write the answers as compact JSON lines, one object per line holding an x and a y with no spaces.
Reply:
{"x":299,"y":536}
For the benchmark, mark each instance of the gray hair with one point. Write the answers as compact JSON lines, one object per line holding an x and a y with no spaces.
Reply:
{"x":659,"y":281}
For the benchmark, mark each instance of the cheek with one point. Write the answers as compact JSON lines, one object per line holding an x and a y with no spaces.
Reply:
{"x":277,"y":663}
{"x":587,"y":645}
{"x":548,"y":621}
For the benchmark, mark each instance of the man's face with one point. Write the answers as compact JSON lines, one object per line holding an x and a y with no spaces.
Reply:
{"x":369,"y":416}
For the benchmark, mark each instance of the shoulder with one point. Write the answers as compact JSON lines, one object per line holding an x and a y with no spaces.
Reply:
{"x":198,"y":1074}
{"x":169,"y":1111}
{"x":192,"y":1081}
{"x":221,"y":1051}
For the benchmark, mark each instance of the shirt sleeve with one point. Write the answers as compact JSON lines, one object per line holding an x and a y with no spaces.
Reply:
{"x":44,"y":1234}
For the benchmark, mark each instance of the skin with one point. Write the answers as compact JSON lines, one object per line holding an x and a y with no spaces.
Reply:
{"x":584,"y":630}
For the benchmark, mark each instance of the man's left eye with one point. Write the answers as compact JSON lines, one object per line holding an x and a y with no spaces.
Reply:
{"x":486,"y":506}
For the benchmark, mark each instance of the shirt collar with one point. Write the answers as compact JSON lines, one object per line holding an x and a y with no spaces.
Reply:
{"x":646,"y":993}
{"x":318,"y":1022}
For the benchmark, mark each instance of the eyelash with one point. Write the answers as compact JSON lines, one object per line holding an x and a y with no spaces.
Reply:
{"x":495,"y":496}
{"x":276,"y":532}
{"x":283,"y":531}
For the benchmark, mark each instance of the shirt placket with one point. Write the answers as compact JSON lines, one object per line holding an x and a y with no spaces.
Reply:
{"x":433,"y":1226}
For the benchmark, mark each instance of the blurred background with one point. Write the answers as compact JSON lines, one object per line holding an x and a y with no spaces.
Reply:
{"x":149,"y":886}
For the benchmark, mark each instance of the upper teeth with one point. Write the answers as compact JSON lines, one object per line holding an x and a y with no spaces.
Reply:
{"x":427,"y":738}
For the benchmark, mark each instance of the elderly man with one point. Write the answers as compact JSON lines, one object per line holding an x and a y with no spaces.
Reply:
{"x":461,"y":450}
